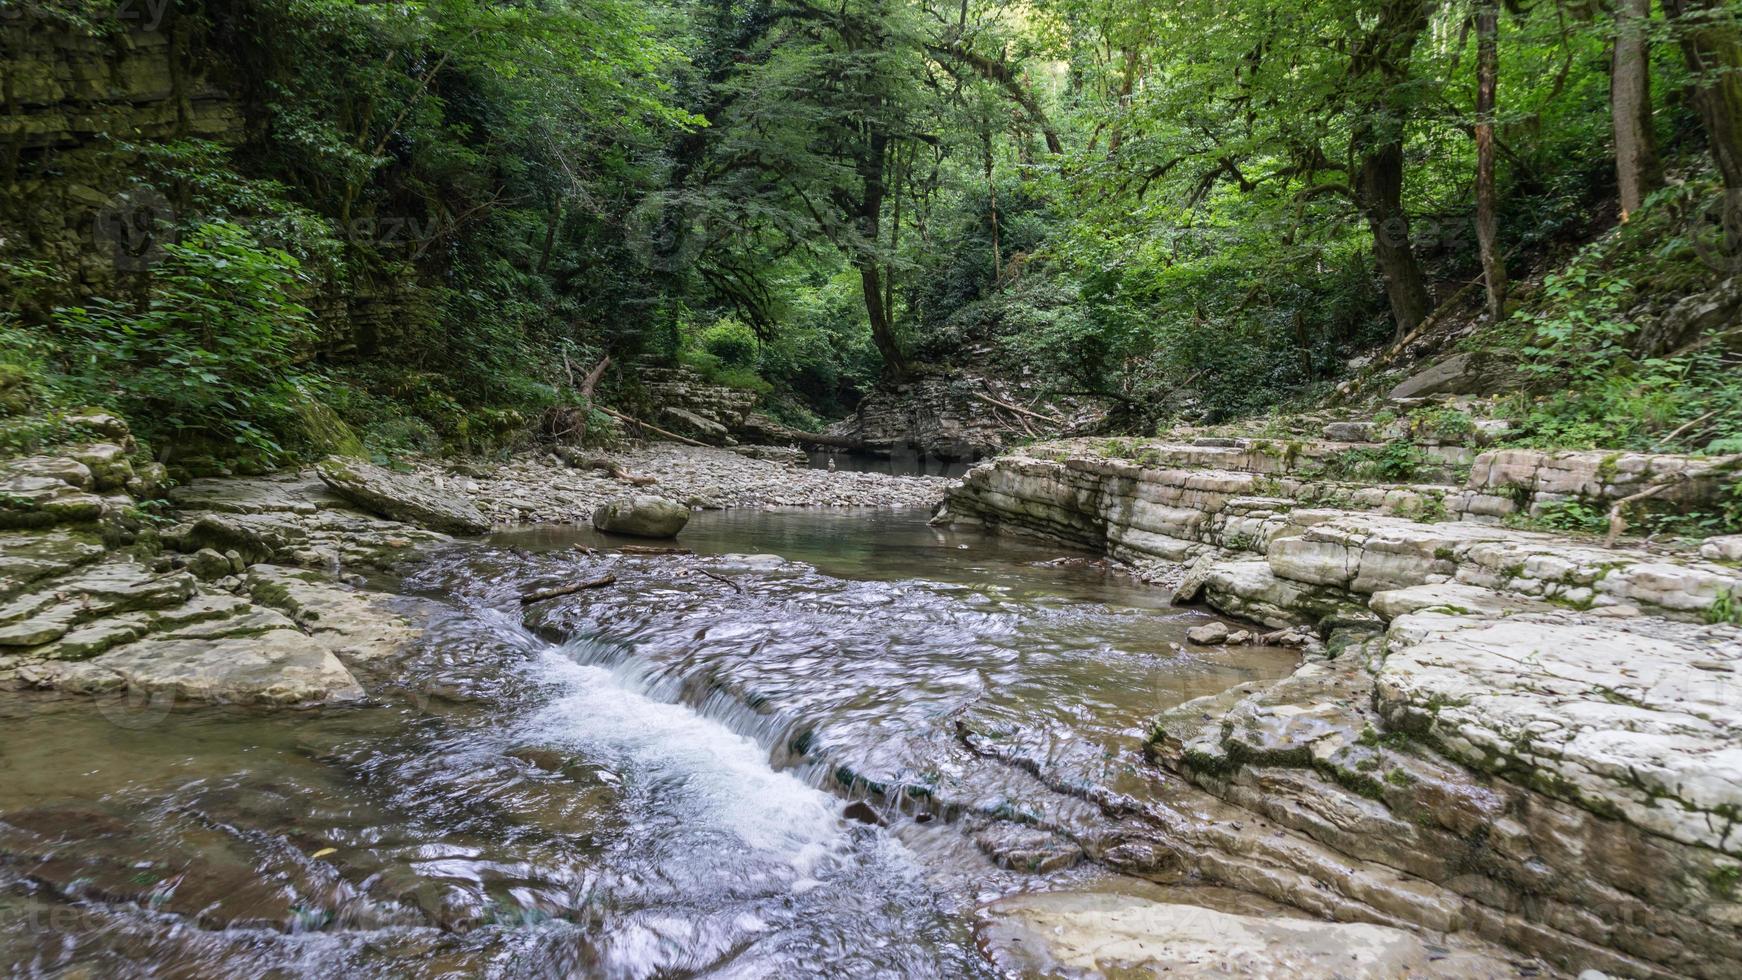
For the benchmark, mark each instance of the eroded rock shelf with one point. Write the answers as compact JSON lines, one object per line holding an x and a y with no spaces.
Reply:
{"x":1520,"y":735}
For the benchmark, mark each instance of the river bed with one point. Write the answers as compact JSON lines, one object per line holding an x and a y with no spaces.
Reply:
{"x":816,"y":747}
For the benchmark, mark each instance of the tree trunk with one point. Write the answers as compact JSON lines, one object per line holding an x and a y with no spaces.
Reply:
{"x":1379,"y":188}
{"x":1711,"y":41}
{"x":1637,"y":169}
{"x":1381,"y":61}
{"x":992,"y":189}
{"x":874,"y":189}
{"x":1487,"y":220}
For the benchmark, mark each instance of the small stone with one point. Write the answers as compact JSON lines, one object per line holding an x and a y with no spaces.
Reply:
{"x":237,"y":565}
{"x":1239,"y":638}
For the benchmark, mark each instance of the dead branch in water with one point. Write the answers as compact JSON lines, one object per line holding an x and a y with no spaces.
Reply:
{"x":644,"y":549}
{"x":558,"y":592}
{"x":721,"y":578}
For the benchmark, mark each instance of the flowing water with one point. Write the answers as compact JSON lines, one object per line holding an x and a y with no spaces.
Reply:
{"x":814,"y":748}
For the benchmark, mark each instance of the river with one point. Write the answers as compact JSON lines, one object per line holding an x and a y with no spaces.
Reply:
{"x":814,"y":748}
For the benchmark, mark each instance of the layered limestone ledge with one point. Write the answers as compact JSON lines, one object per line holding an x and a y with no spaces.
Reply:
{"x":1518,"y":735}
{"x":89,"y":603}
{"x":1548,"y":478}
{"x":1093,"y":479}
{"x":1634,"y":718}
{"x":1496,"y":851}
{"x":1109,"y":934}
{"x":1142,"y":513}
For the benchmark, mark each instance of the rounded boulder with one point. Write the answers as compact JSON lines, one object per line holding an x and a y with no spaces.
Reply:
{"x":642,"y":516}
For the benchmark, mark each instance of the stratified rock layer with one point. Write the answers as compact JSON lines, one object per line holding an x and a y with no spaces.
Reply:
{"x":88,"y":605}
{"x":1533,"y":739}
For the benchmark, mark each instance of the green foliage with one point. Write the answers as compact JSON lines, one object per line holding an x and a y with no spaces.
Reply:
{"x":1398,"y":461}
{"x":730,"y":342}
{"x":1571,"y":515}
{"x":1155,"y":203}
{"x":1440,"y":422}
{"x":211,"y":354}
{"x":1726,"y":608}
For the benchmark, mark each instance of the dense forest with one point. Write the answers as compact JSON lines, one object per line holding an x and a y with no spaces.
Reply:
{"x":432,"y":217}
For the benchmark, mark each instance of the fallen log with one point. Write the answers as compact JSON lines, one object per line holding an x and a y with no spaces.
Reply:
{"x":527,"y":599}
{"x":645,"y":549}
{"x":576,"y":459}
{"x":1018,"y":409}
{"x":632,"y":420}
{"x":820,"y":439}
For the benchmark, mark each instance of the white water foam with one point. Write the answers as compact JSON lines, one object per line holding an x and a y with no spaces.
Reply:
{"x":720,"y":779}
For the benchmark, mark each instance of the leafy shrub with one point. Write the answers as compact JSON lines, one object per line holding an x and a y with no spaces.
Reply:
{"x":1397,"y":461}
{"x":1572,"y":515}
{"x":1440,"y":422}
{"x":211,"y":355}
{"x":731,"y":342}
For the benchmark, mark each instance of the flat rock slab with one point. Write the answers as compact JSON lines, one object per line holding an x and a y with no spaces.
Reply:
{"x":27,"y":556}
{"x":1635,"y":718}
{"x":402,"y":497}
{"x":298,"y":492}
{"x":276,"y":667}
{"x":1077,"y":934}
{"x":357,"y":626}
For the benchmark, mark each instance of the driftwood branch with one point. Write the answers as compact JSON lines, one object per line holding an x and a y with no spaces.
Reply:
{"x":558,"y":592}
{"x":1018,"y":409}
{"x":721,"y":578}
{"x":619,"y":416}
{"x":1684,"y":427}
{"x":643,"y":549}
{"x":1618,"y":524}
{"x":595,"y":461}
{"x":593,"y":376}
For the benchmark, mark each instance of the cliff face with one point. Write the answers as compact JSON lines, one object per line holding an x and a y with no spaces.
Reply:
{"x":74,"y":105}
{"x":85,"y":108}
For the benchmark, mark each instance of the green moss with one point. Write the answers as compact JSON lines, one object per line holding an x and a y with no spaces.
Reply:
{"x":1721,"y":881}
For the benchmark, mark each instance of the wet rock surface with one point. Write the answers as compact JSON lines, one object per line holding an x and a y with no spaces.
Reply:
{"x":1517,"y":735}
{"x":249,"y":592}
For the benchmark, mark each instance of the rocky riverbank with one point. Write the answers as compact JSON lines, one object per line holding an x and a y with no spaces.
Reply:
{"x":1525,"y":736}
{"x":252,"y":590}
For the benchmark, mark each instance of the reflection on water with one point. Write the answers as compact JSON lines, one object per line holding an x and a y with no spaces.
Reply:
{"x":649,"y":780}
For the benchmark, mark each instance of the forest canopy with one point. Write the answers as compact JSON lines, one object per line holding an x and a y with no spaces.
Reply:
{"x":444,"y":210}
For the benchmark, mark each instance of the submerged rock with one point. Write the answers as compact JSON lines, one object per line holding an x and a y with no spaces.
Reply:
{"x":642,"y":516}
{"x":401,"y":497}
